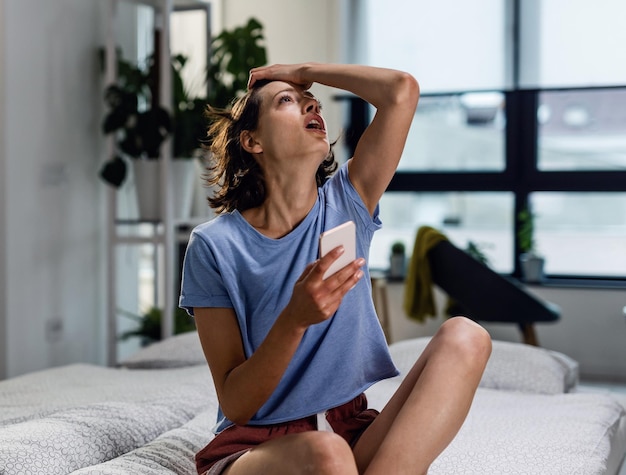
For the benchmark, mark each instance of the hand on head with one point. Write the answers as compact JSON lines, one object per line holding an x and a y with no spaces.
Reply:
{"x":293,"y":73}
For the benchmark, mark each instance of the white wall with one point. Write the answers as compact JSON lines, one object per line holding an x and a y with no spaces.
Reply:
{"x":3,"y":199}
{"x":53,"y":221}
{"x":592,"y":328}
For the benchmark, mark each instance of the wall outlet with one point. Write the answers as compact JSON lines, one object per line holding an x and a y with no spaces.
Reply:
{"x":53,"y":174}
{"x":54,"y":329}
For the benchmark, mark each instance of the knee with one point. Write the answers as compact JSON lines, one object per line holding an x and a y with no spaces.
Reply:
{"x":327,"y":453}
{"x":467,"y":339}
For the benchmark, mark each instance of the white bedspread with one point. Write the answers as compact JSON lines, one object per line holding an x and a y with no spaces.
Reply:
{"x":64,"y":419}
{"x":92,"y":420}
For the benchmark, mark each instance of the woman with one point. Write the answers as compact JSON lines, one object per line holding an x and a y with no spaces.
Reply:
{"x":291,"y":353}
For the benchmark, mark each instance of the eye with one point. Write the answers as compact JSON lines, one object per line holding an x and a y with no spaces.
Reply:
{"x":285,"y":98}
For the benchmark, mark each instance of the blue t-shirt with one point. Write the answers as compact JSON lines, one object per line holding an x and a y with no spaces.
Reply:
{"x":230,"y":264}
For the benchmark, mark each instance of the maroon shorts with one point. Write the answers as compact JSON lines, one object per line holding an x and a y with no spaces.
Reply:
{"x":348,"y":420}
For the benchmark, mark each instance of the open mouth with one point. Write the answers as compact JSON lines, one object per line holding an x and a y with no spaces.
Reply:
{"x":315,"y":124}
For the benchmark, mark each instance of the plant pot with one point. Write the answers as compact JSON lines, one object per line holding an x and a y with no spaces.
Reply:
{"x":200,"y":206}
{"x":183,"y":173}
{"x":532,"y":267}
{"x":148,"y":187}
{"x":397,"y":266}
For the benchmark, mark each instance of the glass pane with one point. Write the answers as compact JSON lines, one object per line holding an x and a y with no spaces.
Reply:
{"x":448,"y":45}
{"x":572,"y":43}
{"x":189,"y":37}
{"x":457,"y":133}
{"x":483,"y":218}
{"x":582,"y":130}
{"x":581,"y":233}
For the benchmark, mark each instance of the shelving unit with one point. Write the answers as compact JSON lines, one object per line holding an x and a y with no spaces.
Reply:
{"x":163,"y":231}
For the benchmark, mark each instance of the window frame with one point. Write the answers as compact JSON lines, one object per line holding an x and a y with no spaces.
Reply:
{"x":521,"y":175}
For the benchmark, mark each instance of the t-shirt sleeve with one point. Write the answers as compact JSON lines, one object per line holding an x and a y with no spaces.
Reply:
{"x":202,"y":284}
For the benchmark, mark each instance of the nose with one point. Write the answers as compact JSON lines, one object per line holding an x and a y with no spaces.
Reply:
{"x":312,"y":105}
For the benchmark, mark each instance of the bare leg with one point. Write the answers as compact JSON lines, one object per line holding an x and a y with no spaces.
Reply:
{"x":313,"y":452}
{"x":428,"y":409}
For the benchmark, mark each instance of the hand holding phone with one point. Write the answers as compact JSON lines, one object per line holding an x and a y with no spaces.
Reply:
{"x":342,"y":235}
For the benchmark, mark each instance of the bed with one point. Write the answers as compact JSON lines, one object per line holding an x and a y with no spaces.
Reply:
{"x":151,"y":415}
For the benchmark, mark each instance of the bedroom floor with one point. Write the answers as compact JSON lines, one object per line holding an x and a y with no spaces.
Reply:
{"x":618,"y":389}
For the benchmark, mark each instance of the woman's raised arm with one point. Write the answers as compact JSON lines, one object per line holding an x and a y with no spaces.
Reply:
{"x":393,"y":93}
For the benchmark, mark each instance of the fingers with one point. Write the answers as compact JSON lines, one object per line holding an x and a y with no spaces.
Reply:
{"x":332,"y":289}
{"x":351,"y":272}
{"x":346,"y":278}
{"x":306,"y":271}
{"x":315,"y":299}
{"x":278,"y":72}
{"x":255,"y":75}
{"x":264,"y":72}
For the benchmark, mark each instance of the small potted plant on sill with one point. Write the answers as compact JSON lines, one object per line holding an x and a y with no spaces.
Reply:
{"x":531,"y":262}
{"x":397,"y":261}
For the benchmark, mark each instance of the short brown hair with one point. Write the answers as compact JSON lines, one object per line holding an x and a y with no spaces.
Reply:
{"x":234,"y":171}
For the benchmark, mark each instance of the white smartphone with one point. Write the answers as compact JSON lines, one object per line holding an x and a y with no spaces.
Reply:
{"x":342,"y":235}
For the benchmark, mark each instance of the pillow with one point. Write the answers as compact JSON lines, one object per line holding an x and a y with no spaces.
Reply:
{"x":512,"y":366}
{"x":174,"y":352}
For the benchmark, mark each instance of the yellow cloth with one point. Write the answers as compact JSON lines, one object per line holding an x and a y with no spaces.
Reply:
{"x":419,"y":301}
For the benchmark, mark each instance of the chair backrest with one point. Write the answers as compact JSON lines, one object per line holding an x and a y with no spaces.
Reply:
{"x":482,"y":293}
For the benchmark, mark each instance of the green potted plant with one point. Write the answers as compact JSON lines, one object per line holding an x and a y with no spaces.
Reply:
{"x":233,"y":54}
{"x":189,"y":129}
{"x":141,"y":125}
{"x":531,"y":262}
{"x":149,"y":328}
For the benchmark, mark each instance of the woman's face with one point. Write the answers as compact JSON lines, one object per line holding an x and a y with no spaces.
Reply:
{"x":290,"y":123}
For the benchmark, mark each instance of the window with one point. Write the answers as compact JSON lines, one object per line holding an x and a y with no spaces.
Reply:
{"x":450,"y":45}
{"x":485,"y":219}
{"x":582,"y":130}
{"x":582,"y":233}
{"x":520,"y":107}
{"x":457,"y":132}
